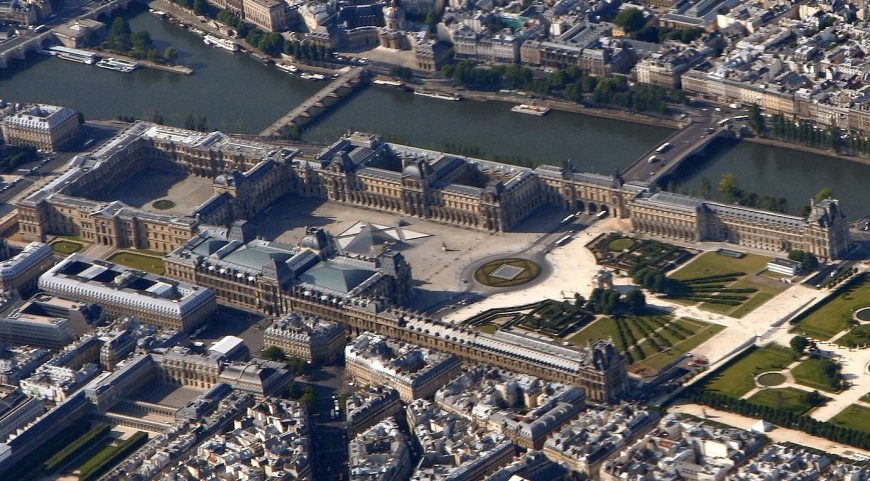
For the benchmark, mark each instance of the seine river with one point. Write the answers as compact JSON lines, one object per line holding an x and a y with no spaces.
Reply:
{"x":239,"y":94}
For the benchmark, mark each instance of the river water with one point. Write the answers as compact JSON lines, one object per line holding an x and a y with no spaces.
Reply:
{"x":239,"y":94}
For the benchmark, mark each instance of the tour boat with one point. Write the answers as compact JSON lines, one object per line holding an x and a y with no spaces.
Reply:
{"x":530,"y":109}
{"x":312,"y":76}
{"x":74,"y":55}
{"x":437,"y":95}
{"x":389,"y":83}
{"x":117,"y":65}
{"x":286,"y":68}
{"x":223,"y":43}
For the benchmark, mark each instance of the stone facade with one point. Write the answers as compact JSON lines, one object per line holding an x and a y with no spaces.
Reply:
{"x":309,"y":338}
{"x":44,"y":127}
{"x":364,"y":171}
{"x":269,"y":14}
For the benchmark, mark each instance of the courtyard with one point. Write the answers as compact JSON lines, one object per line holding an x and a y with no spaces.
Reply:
{"x":146,"y":188}
{"x":436,"y":252}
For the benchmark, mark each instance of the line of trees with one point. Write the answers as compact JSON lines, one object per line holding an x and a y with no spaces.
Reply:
{"x":123,"y":40}
{"x":272,"y":43}
{"x":12,"y":157}
{"x":730,"y":190}
{"x":610,"y":301}
{"x":810,"y":133}
{"x":782,"y":417}
{"x":570,"y":83}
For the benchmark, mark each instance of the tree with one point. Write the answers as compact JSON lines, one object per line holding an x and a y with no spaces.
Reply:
{"x":141,"y":43}
{"x":273,"y":353}
{"x":254,"y":37}
{"x":202,"y":124}
{"x":170,"y":55}
{"x":309,"y":399}
{"x":298,"y":366}
{"x":808,"y":261}
{"x":403,"y":73}
{"x":636,"y":301}
{"x":630,"y":19}
{"x":190,"y":124}
{"x":824,"y":193}
{"x":729,"y":188}
{"x":271,"y":43}
{"x":814,"y":398}
{"x":119,"y":26}
{"x":799,"y":344}
{"x":756,"y":120}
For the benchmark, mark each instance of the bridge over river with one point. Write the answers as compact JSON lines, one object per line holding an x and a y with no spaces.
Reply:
{"x":684,"y":143}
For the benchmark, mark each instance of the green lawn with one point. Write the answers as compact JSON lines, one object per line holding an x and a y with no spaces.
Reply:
{"x":866,"y":398}
{"x":621,"y":244}
{"x":811,"y":373}
{"x":836,"y":312}
{"x":750,"y":305}
{"x":858,"y":336}
{"x":743,"y":269}
{"x":788,"y":399}
{"x":488,"y":328}
{"x":712,"y":263}
{"x":660,"y":338}
{"x":738,"y":378}
{"x":601,"y":329}
{"x":854,"y":417}
{"x":145,"y":263}
{"x":66,"y":247}
{"x":662,"y":359}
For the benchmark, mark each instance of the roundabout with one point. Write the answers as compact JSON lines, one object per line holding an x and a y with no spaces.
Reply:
{"x":507,"y":272}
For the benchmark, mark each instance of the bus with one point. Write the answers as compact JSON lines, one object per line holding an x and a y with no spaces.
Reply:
{"x":568,"y":219}
{"x":601,"y":215}
{"x":665,"y":146}
{"x":741,"y":117}
{"x":563,"y":240}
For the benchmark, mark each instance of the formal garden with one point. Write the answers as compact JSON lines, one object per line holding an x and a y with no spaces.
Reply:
{"x":728,"y":387}
{"x":649,"y":341}
{"x":147,"y":262}
{"x":553,"y":318}
{"x":737,"y":377}
{"x":726,"y":282}
{"x":84,"y":450}
{"x":624,"y":253}
{"x":837,"y":313}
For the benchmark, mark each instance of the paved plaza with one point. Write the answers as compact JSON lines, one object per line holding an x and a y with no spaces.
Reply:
{"x":437,"y":260}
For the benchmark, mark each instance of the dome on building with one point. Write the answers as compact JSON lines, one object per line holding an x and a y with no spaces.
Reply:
{"x":412,"y":170}
{"x":394,"y":17}
{"x":231,"y":179}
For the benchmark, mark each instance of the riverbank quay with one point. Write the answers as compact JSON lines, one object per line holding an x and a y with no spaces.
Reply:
{"x":221,"y":31}
{"x":564,"y":106}
{"x":806,"y":148}
{"x":179,"y":69}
